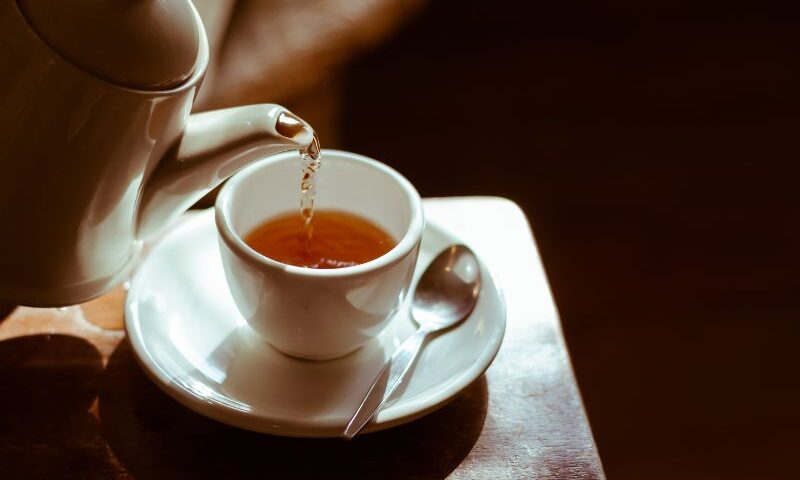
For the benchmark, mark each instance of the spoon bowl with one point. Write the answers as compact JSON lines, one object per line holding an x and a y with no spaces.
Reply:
{"x":448,"y":290}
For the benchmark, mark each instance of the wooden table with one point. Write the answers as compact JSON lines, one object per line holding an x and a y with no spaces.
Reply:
{"x":74,"y":403}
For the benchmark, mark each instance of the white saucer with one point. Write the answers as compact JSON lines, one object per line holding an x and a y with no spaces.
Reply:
{"x":191,"y":340}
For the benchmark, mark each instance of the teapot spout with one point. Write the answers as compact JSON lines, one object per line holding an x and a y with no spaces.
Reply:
{"x":214,"y":146}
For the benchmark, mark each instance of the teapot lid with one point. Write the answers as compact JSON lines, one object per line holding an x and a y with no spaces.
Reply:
{"x":140,"y":44}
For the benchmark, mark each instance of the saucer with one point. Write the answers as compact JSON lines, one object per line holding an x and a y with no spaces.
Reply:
{"x":190,"y":339}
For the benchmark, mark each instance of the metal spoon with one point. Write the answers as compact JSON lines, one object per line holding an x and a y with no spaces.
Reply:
{"x":445,"y":295}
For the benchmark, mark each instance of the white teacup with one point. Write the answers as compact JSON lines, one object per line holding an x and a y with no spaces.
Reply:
{"x":315,"y":313}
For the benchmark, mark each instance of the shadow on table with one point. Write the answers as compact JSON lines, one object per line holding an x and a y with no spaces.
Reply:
{"x":47,"y":386}
{"x":155,"y":437}
{"x":6,"y":311}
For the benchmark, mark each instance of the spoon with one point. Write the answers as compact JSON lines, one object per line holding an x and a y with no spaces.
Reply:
{"x":445,"y":295}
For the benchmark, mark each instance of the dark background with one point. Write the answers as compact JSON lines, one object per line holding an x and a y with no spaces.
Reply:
{"x":652,"y":147}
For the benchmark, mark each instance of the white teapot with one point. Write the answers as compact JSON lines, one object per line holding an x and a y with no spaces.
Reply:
{"x":97,"y":145}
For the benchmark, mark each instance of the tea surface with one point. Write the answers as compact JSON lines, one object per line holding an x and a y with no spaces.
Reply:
{"x":338,"y":239}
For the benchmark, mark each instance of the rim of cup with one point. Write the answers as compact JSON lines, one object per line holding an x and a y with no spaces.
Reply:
{"x":236,"y":243}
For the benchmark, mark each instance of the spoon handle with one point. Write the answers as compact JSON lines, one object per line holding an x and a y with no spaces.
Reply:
{"x":390,"y":377}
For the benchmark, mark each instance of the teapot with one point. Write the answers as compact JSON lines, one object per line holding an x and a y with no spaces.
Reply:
{"x":98,"y":149}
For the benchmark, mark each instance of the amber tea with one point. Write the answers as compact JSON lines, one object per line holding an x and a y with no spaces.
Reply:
{"x":318,"y":239}
{"x":340,"y":239}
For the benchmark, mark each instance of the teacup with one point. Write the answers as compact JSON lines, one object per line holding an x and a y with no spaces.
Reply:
{"x":316,"y":313}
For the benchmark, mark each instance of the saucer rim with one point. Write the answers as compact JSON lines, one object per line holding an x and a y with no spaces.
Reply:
{"x":393,"y":415}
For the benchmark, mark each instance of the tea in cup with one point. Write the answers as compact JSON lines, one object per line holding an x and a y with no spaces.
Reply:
{"x":327,"y":298}
{"x":335,"y":239}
